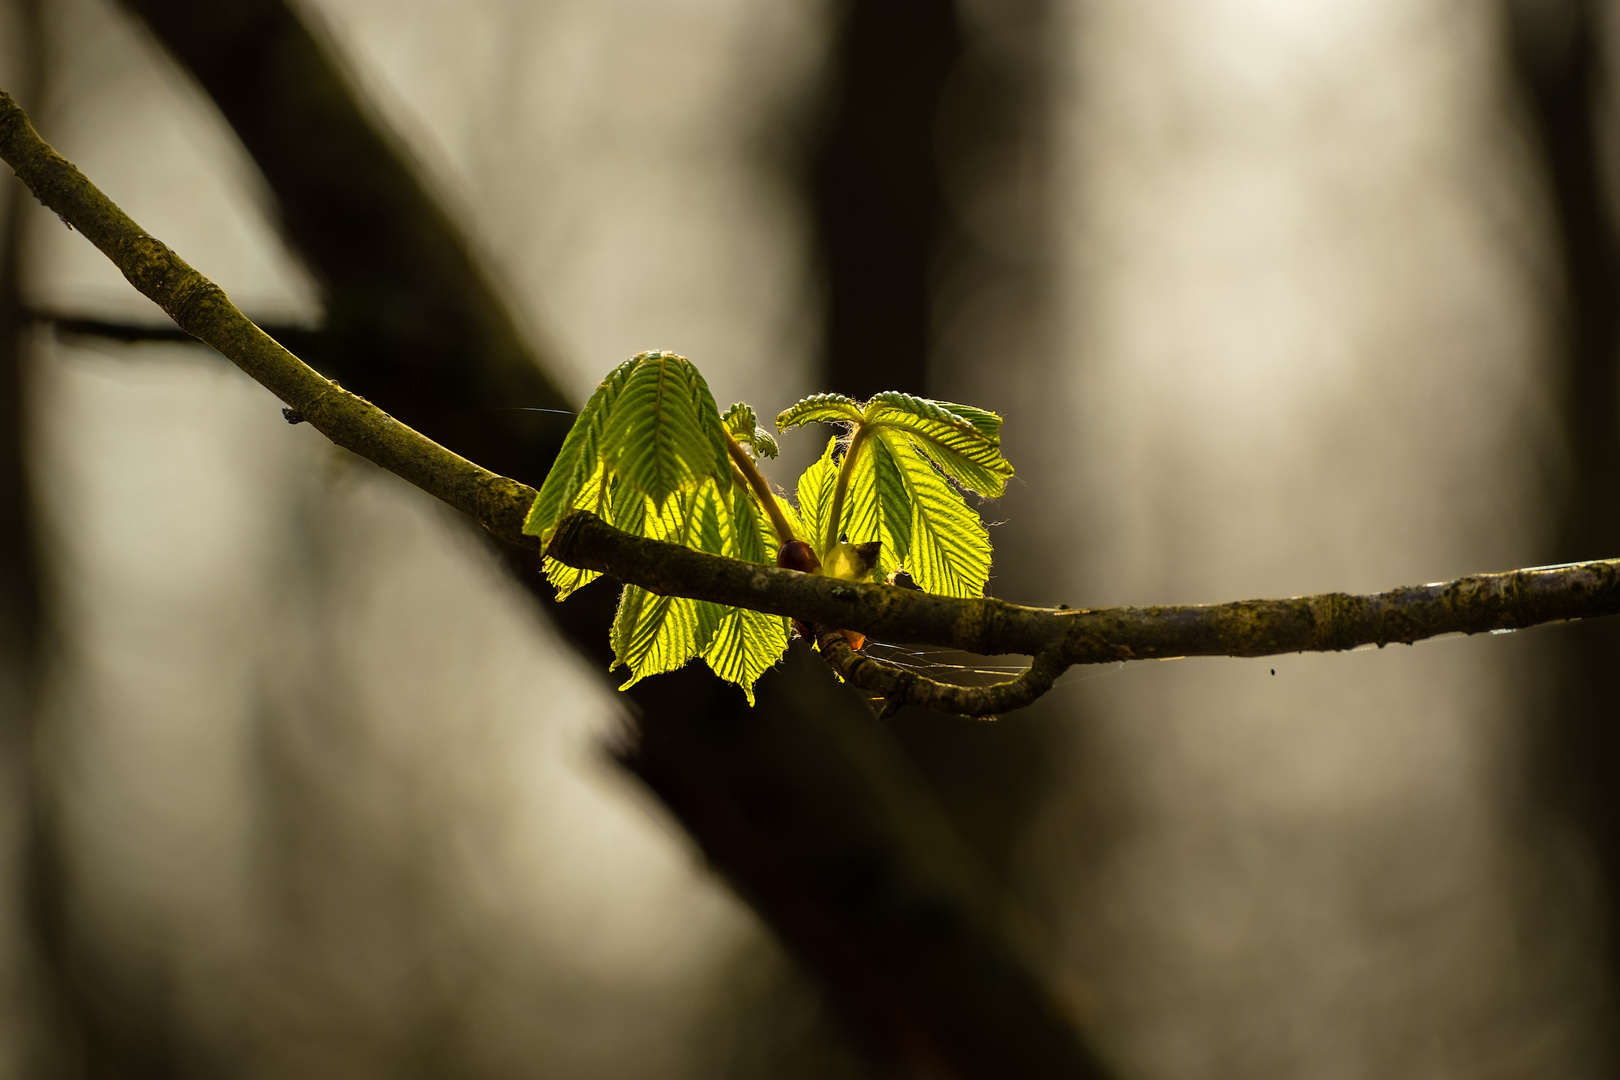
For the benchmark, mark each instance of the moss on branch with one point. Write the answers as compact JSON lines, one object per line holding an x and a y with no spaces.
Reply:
{"x":1322,"y":623}
{"x":201,"y":309}
{"x":1057,"y":638}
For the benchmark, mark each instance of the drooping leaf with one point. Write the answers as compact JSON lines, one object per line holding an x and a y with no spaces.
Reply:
{"x":739,"y":420}
{"x":814,"y":494}
{"x":746,"y":644}
{"x":709,"y":416}
{"x":663,"y":435}
{"x":950,"y":547}
{"x":568,"y":579}
{"x":579,"y":458}
{"x":654,"y":634}
{"x":877,"y":506}
{"x":966,"y":445}
{"x":819,"y":409}
{"x":755,"y":537}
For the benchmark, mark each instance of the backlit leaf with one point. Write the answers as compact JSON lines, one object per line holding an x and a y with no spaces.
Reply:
{"x":579,"y":458}
{"x":739,"y":420}
{"x":950,"y":547}
{"x":746,"y":644}
{"x":663,"y":435}
{"x":654,"y":634}
{"x":815,"y":492}
{"x":568,"y":579}
{"x":966,"y":445}
{"x":820,"y":409}
{"x":878,"y":506}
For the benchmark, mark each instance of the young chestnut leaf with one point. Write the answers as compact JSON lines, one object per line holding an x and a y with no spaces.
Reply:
{"x":663,"y":435}
{"x":891,"y":485}
{"x":739,"y":420}
{"x":579,"y":459}
{"x":649,"y":454}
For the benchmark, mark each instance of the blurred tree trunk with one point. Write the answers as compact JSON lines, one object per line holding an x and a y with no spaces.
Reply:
{"x":1558,"y":54}
{"x":63,"y":1028}
{"x":878,"y":200}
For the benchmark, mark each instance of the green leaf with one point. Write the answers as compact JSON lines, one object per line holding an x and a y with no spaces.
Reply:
{"x":815,"y":491}
{"x":654,"y":634}
{"x":745,"y":646}
{"x":709,"y":413}
{"x":950,"y":547}
{"x":819,"y":409}
{"x":878,"y":506}
{"x":567,"y":579}
{"x":754,"y":537}
{"x":663,"y":435}
{"x":966,"y":445}
{"x":578,"y":460}
{"x":739,"y":420}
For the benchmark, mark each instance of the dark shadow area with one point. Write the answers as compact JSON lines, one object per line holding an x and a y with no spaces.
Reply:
{"x":876,"y":192}
{"x":1558,"y":56}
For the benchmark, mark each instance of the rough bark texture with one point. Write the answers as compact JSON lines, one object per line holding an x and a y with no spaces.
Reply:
{"x":1326,"y":622}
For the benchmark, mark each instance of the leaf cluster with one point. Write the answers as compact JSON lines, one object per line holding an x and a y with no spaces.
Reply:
{"x":651,"y":454}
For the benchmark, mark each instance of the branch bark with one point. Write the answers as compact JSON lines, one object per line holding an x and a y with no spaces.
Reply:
{"x":1325,"y":622}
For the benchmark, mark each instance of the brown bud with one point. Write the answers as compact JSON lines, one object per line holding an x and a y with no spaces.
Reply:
{"x":798,"y":555}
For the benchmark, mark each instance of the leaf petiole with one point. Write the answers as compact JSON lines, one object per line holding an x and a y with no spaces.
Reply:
{"x":744,"y":464}
{"x":846,"y":472}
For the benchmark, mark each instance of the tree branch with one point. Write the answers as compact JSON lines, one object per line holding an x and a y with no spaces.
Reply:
{"x":1060,"y":637}
{"x":201,"y":309}
{"x":1326,"y":622}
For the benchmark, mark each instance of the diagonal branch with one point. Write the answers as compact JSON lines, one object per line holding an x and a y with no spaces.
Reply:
{"x":1060,"y":637}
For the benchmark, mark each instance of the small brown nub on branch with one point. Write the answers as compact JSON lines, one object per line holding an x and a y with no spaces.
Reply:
{"x":798,"y":555}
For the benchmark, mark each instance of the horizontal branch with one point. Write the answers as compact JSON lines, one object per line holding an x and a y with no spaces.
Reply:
{"x":1323,"y":623}
{"x":1058,"y":637}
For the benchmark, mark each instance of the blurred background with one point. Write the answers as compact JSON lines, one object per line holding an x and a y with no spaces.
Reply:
{"x":300,"y":776}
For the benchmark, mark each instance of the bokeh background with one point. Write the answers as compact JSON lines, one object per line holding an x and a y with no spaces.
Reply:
{"x":299,"y":778}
